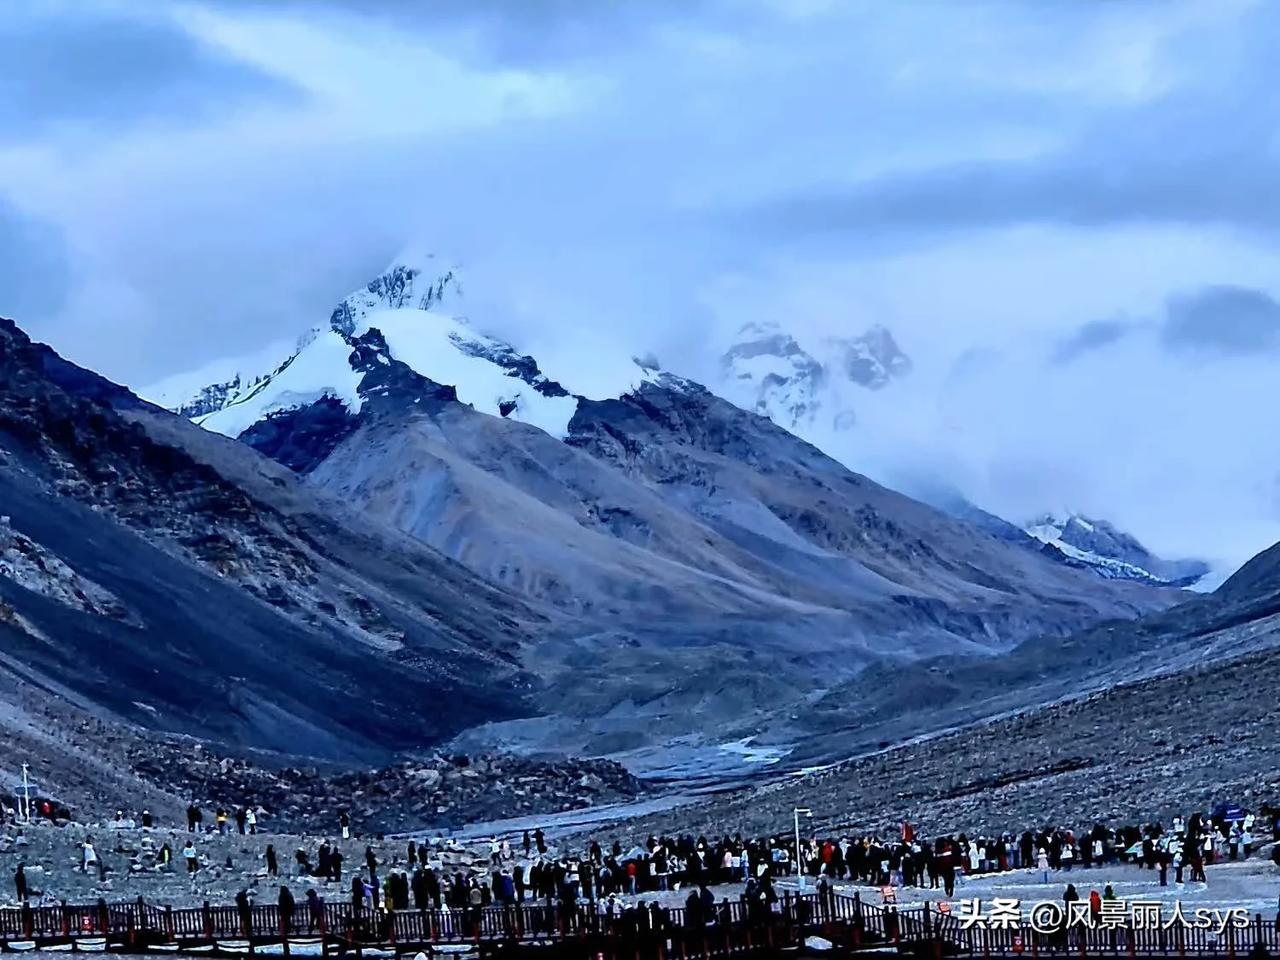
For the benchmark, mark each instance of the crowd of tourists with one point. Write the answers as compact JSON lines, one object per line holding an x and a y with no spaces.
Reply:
{"x":607,"y":878}
{"x":436,"y":875}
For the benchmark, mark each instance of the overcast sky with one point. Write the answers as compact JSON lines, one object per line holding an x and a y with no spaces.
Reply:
{"x":1066,"y":212}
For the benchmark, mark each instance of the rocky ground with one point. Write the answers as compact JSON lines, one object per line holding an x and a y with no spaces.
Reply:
{"x":436,"y":789}
{"x":95,"y":765}
{"x":1131,"y":754}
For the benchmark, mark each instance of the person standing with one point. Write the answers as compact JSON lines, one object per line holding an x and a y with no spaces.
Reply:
{"x":315,"y":911}
{"x":286,"y":910}
{"x":242,"y":819}
{"x":191,"y":857}
{"x":245,"y":911}
{"x":251,"y":818}
{"x":20,"y":882}
{"x":88,"y":855}
{"x":344,"y":821}
{"x":273,"y":865}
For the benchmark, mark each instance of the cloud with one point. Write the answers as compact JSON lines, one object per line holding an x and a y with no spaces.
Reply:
{"x":1223,"y":320}
{"x":1200,"y":151}
{"x":1094,"y":335}
{"x":508,"y":31}
{"x":34,"y":267}
{"x":103,"y":66}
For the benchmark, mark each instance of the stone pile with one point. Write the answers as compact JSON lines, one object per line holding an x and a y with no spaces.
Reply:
{"x":436,"y":790}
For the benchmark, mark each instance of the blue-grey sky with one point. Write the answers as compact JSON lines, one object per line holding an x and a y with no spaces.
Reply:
{"x":1066,"y":212}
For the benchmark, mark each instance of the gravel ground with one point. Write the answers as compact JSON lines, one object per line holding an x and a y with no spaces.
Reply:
{"x":52,"y":858}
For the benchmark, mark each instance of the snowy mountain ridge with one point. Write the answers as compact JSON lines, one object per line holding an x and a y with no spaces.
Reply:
{"x":411,"y":306}
{"x":1111,"y":552}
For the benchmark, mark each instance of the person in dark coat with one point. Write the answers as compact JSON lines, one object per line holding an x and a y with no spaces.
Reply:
{"x":273,"y":866}
{"x":357,"y":893}
{"x":419,"y":885}
{"x":245,"y":912}
{"x":20,"y":882}
{"x":315,"y":911}
{"x":286,"y":903}
{"x":335,"y":865}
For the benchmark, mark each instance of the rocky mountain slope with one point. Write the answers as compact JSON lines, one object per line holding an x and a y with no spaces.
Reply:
{"x":176,"y":580}
{"x":1126,"y":723}
{"x":710,"y":566}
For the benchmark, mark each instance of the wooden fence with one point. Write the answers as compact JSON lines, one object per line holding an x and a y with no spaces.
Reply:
{"x":730,"y":927}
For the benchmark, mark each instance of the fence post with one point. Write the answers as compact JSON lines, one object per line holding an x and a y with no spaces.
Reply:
{"x":66,"y":920}
{"x":207,"y":916}
{"x":928,"y":932}
{"x":168,"y":921}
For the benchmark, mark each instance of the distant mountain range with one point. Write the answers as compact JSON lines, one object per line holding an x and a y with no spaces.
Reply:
{"x":812,"y":391}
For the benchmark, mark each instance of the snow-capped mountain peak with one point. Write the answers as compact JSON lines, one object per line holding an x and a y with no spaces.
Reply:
{"x":872,"y":360}
{"x":798,"y":385}
{"x":1111,"y":552}
{"x":408,"y":314}
{"x":422,"y":284}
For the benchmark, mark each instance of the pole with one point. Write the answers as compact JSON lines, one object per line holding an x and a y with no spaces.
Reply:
{"x":799,"y":872}
{"x":800,"y":882}
{"x":26,"y":795}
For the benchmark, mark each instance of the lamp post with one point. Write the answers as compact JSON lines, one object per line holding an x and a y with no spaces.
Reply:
{"x":799,"y":865}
